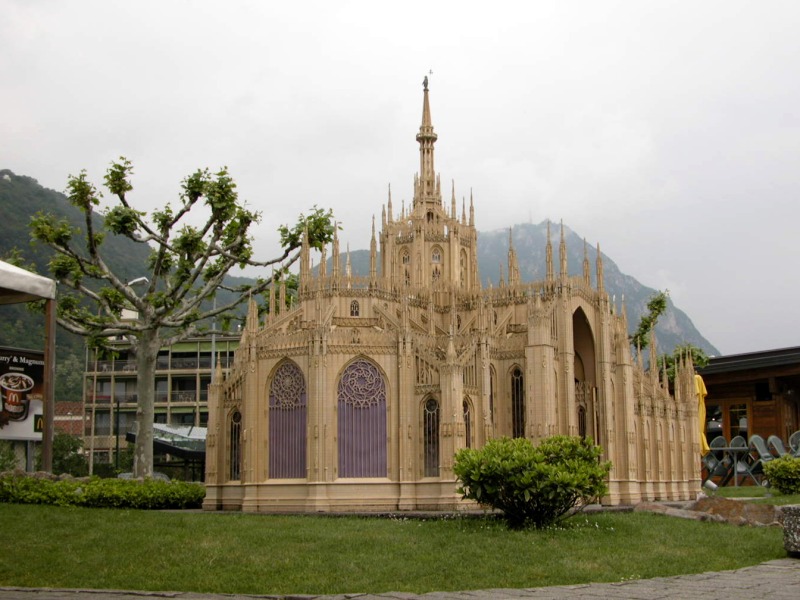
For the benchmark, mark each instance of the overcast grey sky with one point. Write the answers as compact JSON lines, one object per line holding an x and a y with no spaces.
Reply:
{"x":666,"y":131}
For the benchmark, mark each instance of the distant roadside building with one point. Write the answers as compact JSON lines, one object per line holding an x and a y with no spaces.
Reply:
{"x":183,"y":374}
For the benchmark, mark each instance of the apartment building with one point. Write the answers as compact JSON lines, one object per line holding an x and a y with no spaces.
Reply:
{"x":183,"y":373}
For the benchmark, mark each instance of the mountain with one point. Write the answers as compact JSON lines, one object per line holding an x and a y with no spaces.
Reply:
{"x":21,"y":197}
{"x":673,"y":328}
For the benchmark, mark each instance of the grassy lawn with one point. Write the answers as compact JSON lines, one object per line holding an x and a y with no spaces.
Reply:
{"x":759,"y":495}
{"x":47,"y":546}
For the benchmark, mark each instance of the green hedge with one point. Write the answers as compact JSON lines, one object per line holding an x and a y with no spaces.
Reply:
{"x":532,"y":485}
{"x":100,"y":493}
{"x":784,"y":474}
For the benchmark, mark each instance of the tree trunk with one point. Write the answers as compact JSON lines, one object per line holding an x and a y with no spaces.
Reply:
{"x":146,"y":355}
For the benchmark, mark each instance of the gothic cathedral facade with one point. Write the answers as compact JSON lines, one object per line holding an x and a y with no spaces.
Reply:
{"x":358,"y":396}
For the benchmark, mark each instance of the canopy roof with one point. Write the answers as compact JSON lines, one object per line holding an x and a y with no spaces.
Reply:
{"x":19,"y":285}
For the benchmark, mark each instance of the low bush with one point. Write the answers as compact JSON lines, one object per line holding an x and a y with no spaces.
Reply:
{"x":21,"y":488}
{"x":784,"y":474}
{"x":532,"y":485}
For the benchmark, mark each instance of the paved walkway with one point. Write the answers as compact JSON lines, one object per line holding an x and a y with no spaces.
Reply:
{"x":775,"y":580}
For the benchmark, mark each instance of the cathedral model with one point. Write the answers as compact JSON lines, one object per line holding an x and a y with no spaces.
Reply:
{"x":358,"y":396}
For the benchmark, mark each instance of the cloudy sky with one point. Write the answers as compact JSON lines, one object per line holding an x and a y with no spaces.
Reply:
{"x":668,"y":132}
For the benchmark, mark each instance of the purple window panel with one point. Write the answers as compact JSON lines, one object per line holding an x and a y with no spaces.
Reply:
{"x":362,"y":421}
{"x":287,"y":423}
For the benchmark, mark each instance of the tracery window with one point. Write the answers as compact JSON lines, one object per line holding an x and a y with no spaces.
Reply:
{"x":361,"y":397}
{"x":354,"y":308}
{"x":405,"y":257}
{"x":436,"y":256}
{"x":430,"y":437}
{"x":287,"y":423}
{"x":517,"y":403}
{"x":235,"y":449}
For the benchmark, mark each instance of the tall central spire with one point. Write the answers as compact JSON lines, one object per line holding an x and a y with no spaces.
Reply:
{"x":427,"y":191}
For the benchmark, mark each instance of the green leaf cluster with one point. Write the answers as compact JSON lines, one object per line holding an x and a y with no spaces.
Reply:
{"x":698,"y":356}
{"x":8,"y":460}
{"x":656,"y":306}
{"x":19,"y":488}
{"x":533,"y":486}
{"x":319,"y":225}
{"x":784,"y":474}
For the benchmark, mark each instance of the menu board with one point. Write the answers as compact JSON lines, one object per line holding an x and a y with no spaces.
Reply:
{"x":21,"y":394}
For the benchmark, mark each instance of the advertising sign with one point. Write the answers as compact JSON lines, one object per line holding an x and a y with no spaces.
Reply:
{"x":21,"y":394}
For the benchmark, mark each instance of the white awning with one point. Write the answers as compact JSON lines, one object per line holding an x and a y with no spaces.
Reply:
{"x":19,"y":285}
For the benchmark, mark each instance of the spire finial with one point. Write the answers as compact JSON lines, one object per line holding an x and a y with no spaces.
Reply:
{"x":425,"y":83}
{"x":562,"y":252}
{"x":549,"y":253}
{"x":586,"y":275}
{"x":599,"y":269}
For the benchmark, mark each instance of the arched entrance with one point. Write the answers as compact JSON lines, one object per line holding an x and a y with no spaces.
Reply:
{"x":585,"y":377}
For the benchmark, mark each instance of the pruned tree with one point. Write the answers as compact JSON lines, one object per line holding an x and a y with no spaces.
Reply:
{"x":187,"y":265}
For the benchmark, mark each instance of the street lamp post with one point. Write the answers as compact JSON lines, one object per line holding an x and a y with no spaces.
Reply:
{"x":116,"y":430}
{"x":132,"y":282}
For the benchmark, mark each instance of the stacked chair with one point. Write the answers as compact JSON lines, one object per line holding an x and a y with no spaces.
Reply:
{"x":716,"y":463}
{"x":775,"y":445}
{"x":794,"y":444}
{"x":759,"y":456}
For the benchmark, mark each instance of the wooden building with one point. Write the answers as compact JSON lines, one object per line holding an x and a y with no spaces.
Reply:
{"x":756,"y":392}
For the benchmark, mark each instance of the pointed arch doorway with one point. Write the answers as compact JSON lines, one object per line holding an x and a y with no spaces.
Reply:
{"x":587,"y":418}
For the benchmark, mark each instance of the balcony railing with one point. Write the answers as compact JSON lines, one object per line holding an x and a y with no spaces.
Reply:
{"x":163,"y":363}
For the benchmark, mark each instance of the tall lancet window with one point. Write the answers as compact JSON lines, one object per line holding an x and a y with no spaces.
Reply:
{"x":235,"y":446}
{"x":362,"y":421}
{"x":492,"y":388}
{"x":354,"y":308}
{"x":517,"y":403}
{"x":287,"y":423}
{"x":430,"y":437}
{"x":436,"y":261}
{"x":405,"y":260}
{"x":463,"y":268}
{"x":467,"y":422}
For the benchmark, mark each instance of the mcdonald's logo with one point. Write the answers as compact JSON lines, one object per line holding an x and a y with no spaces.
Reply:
{"x":38,"y":423}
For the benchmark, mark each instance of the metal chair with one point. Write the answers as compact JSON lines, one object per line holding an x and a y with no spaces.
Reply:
{"x":760,"y":455}
{"x":775,"y":445}
{"x":716,"y":462}
{"x":794,"y":443}
{"x":718,"y":442}
{"x":740,"y":458}
{"x":716,"y":468}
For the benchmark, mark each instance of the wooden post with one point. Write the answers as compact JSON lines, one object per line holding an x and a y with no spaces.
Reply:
{"x":49,"y":383}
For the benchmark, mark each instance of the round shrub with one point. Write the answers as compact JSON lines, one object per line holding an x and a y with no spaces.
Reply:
{"x":784,"y":474}
{"x":532,"y":485}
